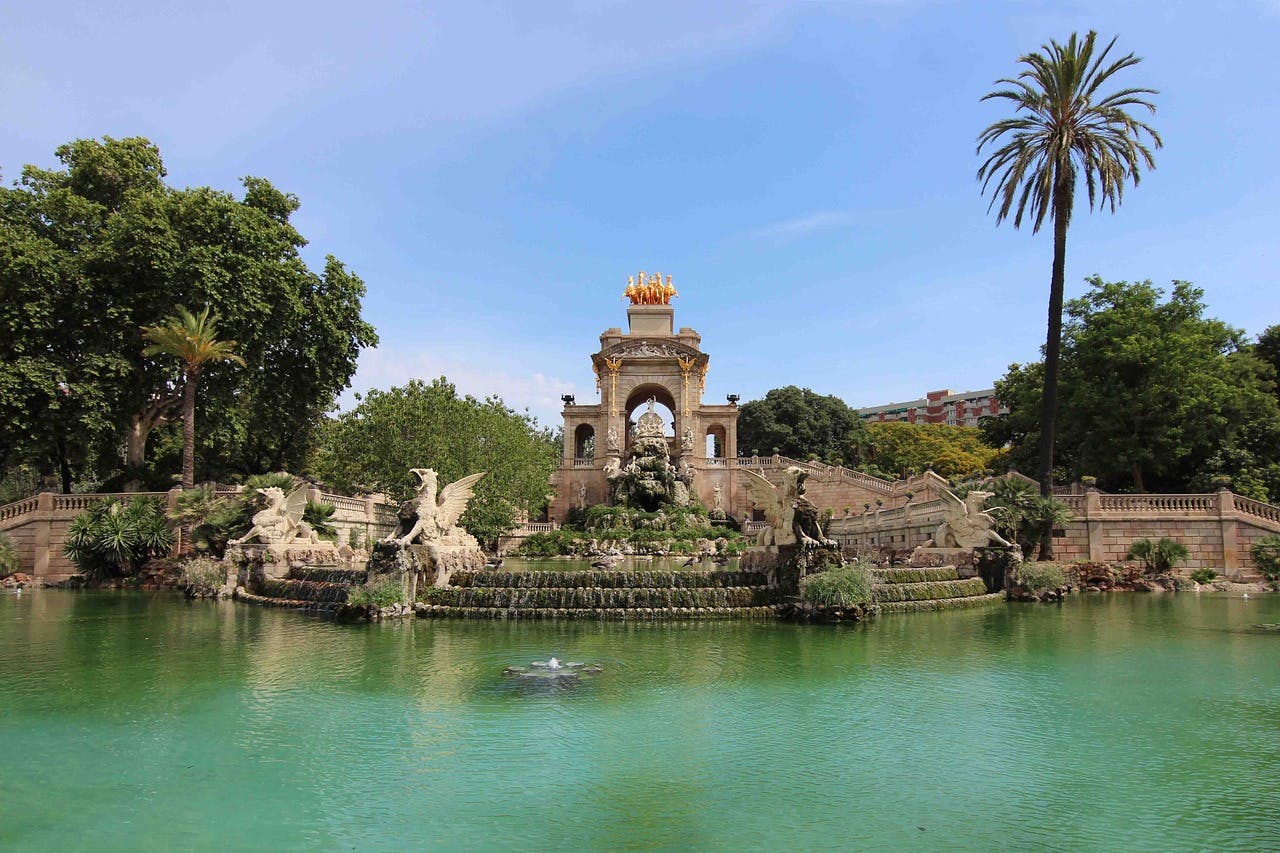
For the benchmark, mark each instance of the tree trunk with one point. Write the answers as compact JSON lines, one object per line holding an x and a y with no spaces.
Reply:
{"x":1052,"y":351}
{"x":1137,"y":478}
{"x":155,"y":413}
{"x":189,"y":429}
{"x":64,"y":467}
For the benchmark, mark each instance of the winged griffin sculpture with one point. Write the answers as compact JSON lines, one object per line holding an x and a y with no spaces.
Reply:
{"x":790,"y":514}
{"x":281,"y":522}
{"x":428,"y":518}
{"x":966,"y":524}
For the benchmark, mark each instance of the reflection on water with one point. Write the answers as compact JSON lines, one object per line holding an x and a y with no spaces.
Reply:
{"x":1127,"y":721}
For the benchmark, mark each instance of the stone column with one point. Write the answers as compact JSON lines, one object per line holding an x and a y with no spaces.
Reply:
{"x":43,"y":532}
{"x":1227,"y":520}
{"x":1093,"y":524}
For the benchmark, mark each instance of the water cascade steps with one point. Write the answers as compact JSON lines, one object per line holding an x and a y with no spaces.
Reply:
{"x":600,"y":595}
{"x":316,"y":589}
{"x":903,"y":590}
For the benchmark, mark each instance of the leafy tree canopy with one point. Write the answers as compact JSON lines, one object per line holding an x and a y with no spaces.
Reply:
{"x":1154,"y":396}
{"x":802,"y":424}
{"x":92,"y":252}
{"x":897,"y":450}
{"x":372,"y":447}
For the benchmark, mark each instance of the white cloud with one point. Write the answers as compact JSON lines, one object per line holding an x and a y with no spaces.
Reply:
{"x":820,"y":221}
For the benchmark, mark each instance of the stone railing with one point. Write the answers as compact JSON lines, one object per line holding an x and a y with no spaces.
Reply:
{"x":535,"y":527}
{"x":19,"y":508}
{"x":584,"y":462}
{"x":1199,"y":504}
{"x":1257,"y":508}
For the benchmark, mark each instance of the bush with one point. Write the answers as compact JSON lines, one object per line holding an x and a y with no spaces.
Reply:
{"x":384,"y":594}
{"x":1040,"y":577}
{"x":204,"y":575}
{"x":320,"y":517}
{"x":1204,"y":575}
{"x":839,"y":588}
{"x":8,"y":556}
{"x":1266,"y":556}
{"x":1159,"y":556}
{"x":114,"y":539}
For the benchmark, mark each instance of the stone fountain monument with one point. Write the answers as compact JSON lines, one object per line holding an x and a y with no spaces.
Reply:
{"x":649,"y":481}
{"x":428,"y":546}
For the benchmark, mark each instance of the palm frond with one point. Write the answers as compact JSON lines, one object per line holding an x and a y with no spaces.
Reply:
{"x":1062,"y":131}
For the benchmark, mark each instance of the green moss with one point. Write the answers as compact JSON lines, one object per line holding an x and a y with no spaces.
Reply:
{"x":941,"y":603}
{"x":929,"y":590}
{"x":910,"y":575}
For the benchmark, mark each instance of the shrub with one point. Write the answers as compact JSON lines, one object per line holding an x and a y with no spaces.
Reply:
{"x":1158,"y":556}
{"x":203,"y":575}
{"x":8,"y":556}
{"x":114,"y":539}
{"x":1266,"y":556}
{"x":320,"y":517}
{"x":356,"y":539}
{"x":839,"y":588}
{"x":1204,"y":575}
{"x":1040,"y":577}
{"x":383,"y":594}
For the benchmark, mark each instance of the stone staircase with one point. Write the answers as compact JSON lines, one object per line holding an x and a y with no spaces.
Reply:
{"x":314,"y":589}
{"x":602,"y":595}
{"x":905,"y":590}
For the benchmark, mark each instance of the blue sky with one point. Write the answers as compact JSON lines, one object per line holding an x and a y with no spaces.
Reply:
{"x":805,"y":171}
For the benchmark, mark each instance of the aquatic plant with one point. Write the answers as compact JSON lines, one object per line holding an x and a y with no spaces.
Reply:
{"x":839,"y":588}
{"x":383,"y":594}
{"x":1040,"y":577}
{"x":202,"y":576}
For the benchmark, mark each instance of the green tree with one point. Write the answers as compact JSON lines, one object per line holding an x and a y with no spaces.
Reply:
{"x":193,"y":340}
{"x":800,"y":423}
{"x":372,"y":447}
{"x":1064,"y":128}
{"x":1153,"y":396}
{"x":899,"y":449}
{"x":1268,"y":349}
{"x":92,"y":252}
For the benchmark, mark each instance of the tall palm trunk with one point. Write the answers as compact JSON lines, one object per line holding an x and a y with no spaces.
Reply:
{"x":189,"y":429}
{"x":1052,"y":351}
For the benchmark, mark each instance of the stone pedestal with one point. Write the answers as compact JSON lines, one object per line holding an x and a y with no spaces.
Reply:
{"x":422,"y":565}
{"x":785,"y":565}
{"x":273,"y":561}
{"x":992,"y":563}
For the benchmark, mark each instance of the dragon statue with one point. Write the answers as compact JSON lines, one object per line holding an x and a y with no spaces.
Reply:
{"x":792,"y":517}
{"x":429,"y":518}
{"x":281,"y":522}
{"x":966,"y":524}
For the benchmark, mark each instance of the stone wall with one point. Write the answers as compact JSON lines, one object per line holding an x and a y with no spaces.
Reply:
{"x":38,"y":525}
{"x":1218,"y":529}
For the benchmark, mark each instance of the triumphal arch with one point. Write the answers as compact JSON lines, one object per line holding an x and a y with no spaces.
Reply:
{"x":649,"y":365}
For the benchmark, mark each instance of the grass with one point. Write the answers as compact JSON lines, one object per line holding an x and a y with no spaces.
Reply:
{"x":383,"y":594}
{"x":838,"y":588}
{"x":1038,"y":577}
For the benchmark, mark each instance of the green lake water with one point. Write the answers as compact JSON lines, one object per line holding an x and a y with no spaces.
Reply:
{"x":1124,"y":722}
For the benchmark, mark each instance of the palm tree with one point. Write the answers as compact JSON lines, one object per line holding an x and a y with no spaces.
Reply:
{"x":193,"y":340}
{"x":1063,"y":127}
